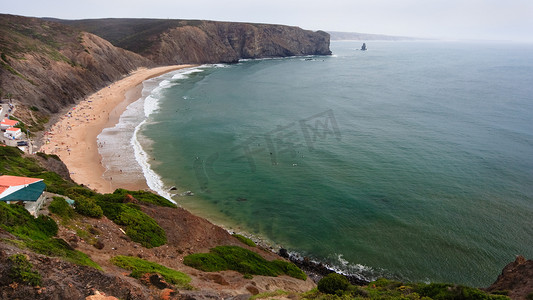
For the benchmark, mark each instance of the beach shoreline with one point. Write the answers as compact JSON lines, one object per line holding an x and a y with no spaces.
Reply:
{"x":73,"y":137}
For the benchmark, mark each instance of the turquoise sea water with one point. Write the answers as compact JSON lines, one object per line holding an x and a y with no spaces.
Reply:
{"x":412,"y":160}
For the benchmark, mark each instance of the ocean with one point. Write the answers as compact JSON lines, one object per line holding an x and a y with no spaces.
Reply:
{"x":412,"y":160}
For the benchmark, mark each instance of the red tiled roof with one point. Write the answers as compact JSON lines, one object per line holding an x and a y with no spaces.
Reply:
{"x":9,"y":122}
{"x":13,"y":129}
{"x":8,"y":180}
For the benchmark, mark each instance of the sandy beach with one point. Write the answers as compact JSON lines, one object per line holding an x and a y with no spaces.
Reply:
{"x":74,"y":137}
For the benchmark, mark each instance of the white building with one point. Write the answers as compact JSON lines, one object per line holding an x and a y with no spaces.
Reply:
{"x":13,"y":133}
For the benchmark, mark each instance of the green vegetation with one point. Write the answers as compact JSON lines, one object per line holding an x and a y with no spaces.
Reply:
{"x":13,"y":163}
{"x":241,"y":260}
{"x":146,"y":197}
{"x":60,"y":248}
{"x":18,"y":221}
{"x":22,"y":270}
{"x":60,"y":207}
{"x":244,"y":240}
{"x":139,"y":226}
{"x":88,"y":207}
{"x":333,"y":284}
{"x":46,"y":156}
{"x":389,"y":289}
{"x":139,"y":267}
{"x":10,"y":69}
{"x":37,"y":234}
{"x":41,"y":120}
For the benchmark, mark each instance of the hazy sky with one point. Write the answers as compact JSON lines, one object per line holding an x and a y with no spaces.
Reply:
{"x":462,"y":19}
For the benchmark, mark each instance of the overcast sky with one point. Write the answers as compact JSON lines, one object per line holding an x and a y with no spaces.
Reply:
{"x":451,"y":19}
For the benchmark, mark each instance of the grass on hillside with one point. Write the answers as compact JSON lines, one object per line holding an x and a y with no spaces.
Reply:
{"x":333,"y":287}
{"x":139,"y":226}
{"x":139,"y":267}
{"x":244,"y":240}
{"x":21,"y":270}
{"x":37,"y":234}
{"x":243,"y":261}
{"x":61,"y":208}
{"x":12,"y":162}
{"x":146,"y":197}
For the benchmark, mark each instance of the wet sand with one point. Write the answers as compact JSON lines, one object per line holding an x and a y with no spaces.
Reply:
{"x":74,"y":136}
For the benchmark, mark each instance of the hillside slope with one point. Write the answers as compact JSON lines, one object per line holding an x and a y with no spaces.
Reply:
{"x":196,"y":41}
{"x":50,"y":65}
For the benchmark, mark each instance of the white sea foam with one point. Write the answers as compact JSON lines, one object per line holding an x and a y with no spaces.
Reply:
{"x":152,"y":92}
{"x":153,"y":180}
{"x":116,"y":142}
{"x":342,"y":266}
{"x":185,"y":72}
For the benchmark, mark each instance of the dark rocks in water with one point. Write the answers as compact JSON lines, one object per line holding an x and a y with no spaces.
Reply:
{"x":283,"y":253}
{"x":317,"y":270}
{"x":363,"y":48}
{"x":173,"y":188}
{"x":241,"y":199}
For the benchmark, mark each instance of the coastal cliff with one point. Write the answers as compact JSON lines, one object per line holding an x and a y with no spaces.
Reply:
{"x":197,"y":41}
{"x":50,"y":64}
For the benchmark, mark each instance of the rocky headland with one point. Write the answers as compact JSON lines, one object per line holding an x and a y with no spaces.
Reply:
{"x":50,"y":64}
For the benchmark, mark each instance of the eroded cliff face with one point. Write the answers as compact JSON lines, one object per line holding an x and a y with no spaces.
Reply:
{"x":516,"y":278}
{"x":50,"y":66}
{"x":196,"y":41}
{"x":213,"y":42}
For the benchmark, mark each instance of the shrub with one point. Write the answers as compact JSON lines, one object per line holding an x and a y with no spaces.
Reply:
{"x":244,"y":240}
{"x":60,"y":248}
{"x":22,"y":270}
{"x":452,"y":291}
{"x":289,"y":269}
{"x":146,"y":197}
{"x":140,"y":267}
{"x":18,"y":221}
{"x":88,"y":207}
{"x":79,"y":192}
{"x":333,"y":283}
{"x":206,"y":262}
{"x":241,"y":260}
{"x":60,"y":207}
{"x":140,"y":227}
{"x":47,"y":225}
